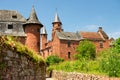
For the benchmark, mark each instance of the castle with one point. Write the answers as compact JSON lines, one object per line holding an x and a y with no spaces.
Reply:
{"x":33,"y":34}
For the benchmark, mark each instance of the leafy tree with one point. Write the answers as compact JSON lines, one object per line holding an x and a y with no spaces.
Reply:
{"x":110,"y":60}
{"x":53,"y":59}
{"x":86,"y":49}
{"x":117,"y":45}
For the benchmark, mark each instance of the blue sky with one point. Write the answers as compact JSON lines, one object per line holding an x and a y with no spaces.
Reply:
{"x":76,"y":15}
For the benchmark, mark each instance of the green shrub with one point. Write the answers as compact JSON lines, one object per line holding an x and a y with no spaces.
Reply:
{"x":53,"y":59}
{"x":86,"y":49}
{"x":110,"y":63}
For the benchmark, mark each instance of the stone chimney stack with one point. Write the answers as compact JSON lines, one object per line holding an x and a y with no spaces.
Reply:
{"x":100,"y":28}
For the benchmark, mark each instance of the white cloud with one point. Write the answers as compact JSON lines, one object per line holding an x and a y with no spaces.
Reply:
{"x":115,"y":35}
{"x":91,"y":27}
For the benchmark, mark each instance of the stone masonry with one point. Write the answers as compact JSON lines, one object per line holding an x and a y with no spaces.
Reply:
{"x":60,"y":75}
{"x":14,"y":66}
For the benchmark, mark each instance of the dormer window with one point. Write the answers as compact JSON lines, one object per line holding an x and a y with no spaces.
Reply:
{"x":14,"y":16}
{"x":10,"y":26}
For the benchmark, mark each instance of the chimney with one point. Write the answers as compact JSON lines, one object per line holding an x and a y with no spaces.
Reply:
{"x":100,"y":28}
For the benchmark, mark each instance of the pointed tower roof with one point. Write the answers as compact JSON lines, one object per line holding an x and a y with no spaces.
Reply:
{"x":56,"y":19}
{"x":33,"y":19}
{"x":43,"y":30}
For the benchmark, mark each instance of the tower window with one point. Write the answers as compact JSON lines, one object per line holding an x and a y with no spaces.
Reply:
{"x":101,"y":44}
{"x":69,"y":54}
{"x":68,"y":43}
{"x":38,"y":30}
{"x":38,"y":43}
{"x":10,"y":26}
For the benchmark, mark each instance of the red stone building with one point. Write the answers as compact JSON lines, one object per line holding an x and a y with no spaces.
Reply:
{"x":62,"y":43}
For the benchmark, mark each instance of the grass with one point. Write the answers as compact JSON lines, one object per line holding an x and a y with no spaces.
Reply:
{"x":90,"y":67}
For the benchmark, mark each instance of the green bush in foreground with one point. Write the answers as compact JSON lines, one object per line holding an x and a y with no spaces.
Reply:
{"x":53,"y":59}
{"x":85,"y":49}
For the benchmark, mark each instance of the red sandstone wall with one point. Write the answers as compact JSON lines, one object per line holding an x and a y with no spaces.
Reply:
{"x":56,"y":46}
{"x":64,"y":49}
{"x":33,"y":37}
{"x":106,"y":45}
{"x":21,"y":39}
{"x":43,"y":41}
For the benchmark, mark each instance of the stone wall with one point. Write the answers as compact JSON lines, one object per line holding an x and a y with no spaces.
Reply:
{"x":14,"y":66}
{"x":60,"y":75}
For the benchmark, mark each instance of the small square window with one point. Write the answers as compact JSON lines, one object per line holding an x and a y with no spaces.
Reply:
{"x":10,"y":26}
{"x":14,"y":16}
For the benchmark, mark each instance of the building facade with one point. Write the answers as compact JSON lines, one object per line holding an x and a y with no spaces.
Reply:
{"x":64,"y":44}
{"x":33,"y":34}
{"x":27,"y":31}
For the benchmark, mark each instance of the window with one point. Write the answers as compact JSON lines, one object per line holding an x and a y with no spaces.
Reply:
{"x":14,"y":16}
{"x":38,"y":43}
{"x":10,"y":26}
{"x":38,"y":30}
{"x":101,"y":44}
{"x":68,"y":55}
{"x":68,"y":43}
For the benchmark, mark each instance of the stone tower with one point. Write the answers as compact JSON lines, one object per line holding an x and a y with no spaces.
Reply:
{"x":32,"y":29}
{"x":57,"y":25}
{"x":43,"y":37}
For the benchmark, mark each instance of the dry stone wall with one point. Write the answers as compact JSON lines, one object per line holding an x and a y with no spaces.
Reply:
{"x":14,"y":66}
{"x":60,"y":75}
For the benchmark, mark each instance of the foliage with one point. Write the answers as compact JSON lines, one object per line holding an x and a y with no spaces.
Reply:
{"x":78,"y":66}
{"x":53,"y":59}
{"x":85,"y":49}
{"x":10,"y":43}
{"x":110,"y":60}
{"x":2,"y":65}
{"x":117,"y":45}
{"x":107,"y":63}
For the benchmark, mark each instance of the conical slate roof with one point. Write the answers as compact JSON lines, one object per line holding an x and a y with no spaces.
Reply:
{"x":43,"y":30}
{"x":56,"y":19}
{"x":33,"y":19}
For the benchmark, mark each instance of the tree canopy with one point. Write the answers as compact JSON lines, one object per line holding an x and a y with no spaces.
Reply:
{"x":86,"y":49}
